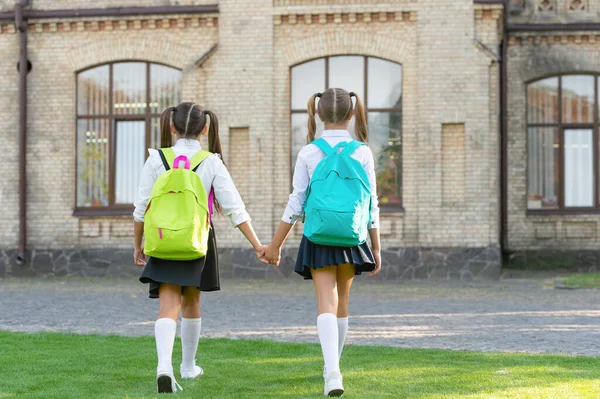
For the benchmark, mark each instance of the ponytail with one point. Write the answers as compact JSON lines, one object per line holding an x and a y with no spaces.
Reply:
{"x":312,"y":123}
{"x":214,"y":142}
{"x":360,"y":120}
{"x":166,"y":137}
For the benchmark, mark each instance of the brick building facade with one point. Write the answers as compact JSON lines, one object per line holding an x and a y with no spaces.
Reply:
{"x":443,"y":116}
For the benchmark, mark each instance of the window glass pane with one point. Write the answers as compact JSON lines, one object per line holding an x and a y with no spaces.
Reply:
{"x":92,"y":91}
{"x":348,"y":73}
{"x":385,"y":84}
{"x":129,"y":88}
{"x":130,"y":143}
{"x":307,"y":79}
{"x":165,"y":87}
{"x":542,"y":101}
{"x":385,"y":139}
{"x":543,"y":151}
{"x":578,"y":99}
{"x":92,"y":162}
{"x":579,"y":169}
{"x":299,"y":132}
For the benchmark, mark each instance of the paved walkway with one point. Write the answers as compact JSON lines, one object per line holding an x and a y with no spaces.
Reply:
{"x":507,"y":315}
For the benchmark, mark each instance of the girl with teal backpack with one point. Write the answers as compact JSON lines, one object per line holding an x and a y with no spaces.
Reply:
{"x":179,"y":186}
{"x":335,"y":193}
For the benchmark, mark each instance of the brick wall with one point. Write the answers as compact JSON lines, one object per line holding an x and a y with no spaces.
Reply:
{"x":450,"y":78}
{"x":533,"y":57}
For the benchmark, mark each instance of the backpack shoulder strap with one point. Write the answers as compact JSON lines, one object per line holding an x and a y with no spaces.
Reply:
{"x":167,"y":156}
{"x":323,"y":146}
{"x":352,"y":146}
{"x":198,"y":158}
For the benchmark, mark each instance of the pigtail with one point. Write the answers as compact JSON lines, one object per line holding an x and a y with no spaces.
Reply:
{"x":360,"y":119}
{"x":312,"y":122}
{"x":166,"y":119}
{"x":214,"y":141}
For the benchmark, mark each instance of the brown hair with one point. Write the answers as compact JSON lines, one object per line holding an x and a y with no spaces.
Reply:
{"x":335,"y":106}
{"x":189,"y":120}
{"x":166,"y":138}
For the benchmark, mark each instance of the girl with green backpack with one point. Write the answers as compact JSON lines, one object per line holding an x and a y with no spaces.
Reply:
{"x":178,"y":188}
{"x":334,"y":190}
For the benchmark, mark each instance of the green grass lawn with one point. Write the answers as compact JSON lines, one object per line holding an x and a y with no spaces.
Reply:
{"x":581,"y":280}
{"x":88,"y":367}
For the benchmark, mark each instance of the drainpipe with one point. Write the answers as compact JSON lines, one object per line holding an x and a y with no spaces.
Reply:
{"x":504,"y":135}
{"x":21,"y":26}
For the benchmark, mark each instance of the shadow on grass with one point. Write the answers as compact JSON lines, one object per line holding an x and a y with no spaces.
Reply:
{"x":73,"y":366}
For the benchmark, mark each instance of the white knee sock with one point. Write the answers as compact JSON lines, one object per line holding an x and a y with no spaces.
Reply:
{"x":190,"y":334}
{"x":164,"y":331}
{"x":342,"y":323}
{"x":328,"y":335}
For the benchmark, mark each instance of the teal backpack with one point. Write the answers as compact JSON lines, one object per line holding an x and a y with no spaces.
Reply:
{"x":338,"y":204}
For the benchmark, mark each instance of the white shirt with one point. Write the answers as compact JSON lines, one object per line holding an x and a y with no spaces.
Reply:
{"x":212,"y":172}
{"x":308,"y":159}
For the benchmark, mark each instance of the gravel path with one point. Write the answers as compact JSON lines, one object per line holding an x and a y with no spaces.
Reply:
{"x":507,"y":315}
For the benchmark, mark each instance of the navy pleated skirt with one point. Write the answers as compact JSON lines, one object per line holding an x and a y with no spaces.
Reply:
{"x":201,"y":273}
{"x":314,"y":256}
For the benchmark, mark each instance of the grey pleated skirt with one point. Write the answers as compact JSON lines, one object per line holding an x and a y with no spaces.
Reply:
{"x":201,"y":273}
{"x":315,"y":256}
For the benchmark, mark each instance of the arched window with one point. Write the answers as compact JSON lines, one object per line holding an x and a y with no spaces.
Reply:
{"x":118,"y":111}
{"x":562,"y":143}
{"x":379,"y":83}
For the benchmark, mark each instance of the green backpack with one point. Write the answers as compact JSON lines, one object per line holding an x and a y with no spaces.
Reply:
{"x":177,"y":219}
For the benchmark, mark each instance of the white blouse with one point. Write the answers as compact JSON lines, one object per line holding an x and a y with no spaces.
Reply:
{"x":212,"y":172}
{"x":308,"y":159}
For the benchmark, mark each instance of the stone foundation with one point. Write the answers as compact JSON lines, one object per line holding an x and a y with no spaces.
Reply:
{"x":585,"y":261}
{"x":398,"y":264}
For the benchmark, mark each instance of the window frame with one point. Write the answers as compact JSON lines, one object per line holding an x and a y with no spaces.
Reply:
{"x":112,"y":209}
{"x":392,"y":208}
{"x":562,"y":126}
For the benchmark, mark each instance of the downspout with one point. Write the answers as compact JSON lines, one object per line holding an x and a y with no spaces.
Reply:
{"x":503,"y":135}
{"x":21,"y":26}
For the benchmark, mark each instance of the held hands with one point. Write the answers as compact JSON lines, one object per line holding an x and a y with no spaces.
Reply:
{"x":269,"y":254}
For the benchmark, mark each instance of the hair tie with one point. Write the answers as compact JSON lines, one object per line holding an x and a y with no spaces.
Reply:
{"x":319,"y":95}
{"x":206,"y":112}
{"x":173,"y":109}
{"x":352,"y":94}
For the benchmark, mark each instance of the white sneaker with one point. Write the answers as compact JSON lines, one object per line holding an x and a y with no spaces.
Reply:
{"x":187,"y":373}
{"x":333,"y":384}
{"x":167,"y":384}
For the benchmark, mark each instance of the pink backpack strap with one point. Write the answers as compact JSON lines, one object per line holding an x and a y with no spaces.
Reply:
{"x":211,"y":200}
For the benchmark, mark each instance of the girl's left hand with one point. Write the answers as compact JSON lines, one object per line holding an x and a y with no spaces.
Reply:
{"x":139,"y":257}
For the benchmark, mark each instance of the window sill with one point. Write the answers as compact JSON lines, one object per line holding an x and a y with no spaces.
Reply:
{"x":390,"y":209}
{"x":563,"y":212}
{"x":100,"y":212}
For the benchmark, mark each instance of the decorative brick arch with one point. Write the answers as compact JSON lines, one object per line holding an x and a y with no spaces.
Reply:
{"x":559,"y":60}
{"x":339,"y":42}
{"x":122,"y":48}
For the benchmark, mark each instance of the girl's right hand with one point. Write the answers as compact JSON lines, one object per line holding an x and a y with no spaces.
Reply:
{"x":273,"y":254}
{"x":377,"y":256}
